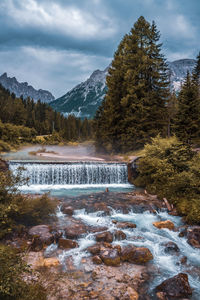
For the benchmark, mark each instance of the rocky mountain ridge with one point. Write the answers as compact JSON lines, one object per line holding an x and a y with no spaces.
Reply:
{"x":84,"y":99}
{"x":24,"y":89}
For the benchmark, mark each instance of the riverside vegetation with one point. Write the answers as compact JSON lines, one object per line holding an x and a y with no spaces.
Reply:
{"x":17,"y":212}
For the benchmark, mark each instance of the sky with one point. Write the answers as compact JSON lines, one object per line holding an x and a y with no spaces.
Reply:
{"x":56,"y":44}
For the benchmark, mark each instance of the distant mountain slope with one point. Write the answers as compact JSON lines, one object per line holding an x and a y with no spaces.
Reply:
{"x":24,"y":89}
{"x":178,"y":71}
{"x":85,"y":98}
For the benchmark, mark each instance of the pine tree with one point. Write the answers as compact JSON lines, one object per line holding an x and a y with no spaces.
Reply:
{"x":135,"y":104}
{"x":187,"y":121}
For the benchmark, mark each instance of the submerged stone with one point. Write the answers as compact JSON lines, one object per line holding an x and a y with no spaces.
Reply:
{"x":193,"y":236}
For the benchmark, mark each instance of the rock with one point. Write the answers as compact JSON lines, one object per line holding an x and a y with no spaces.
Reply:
{"x":193,"y":236}
{"x":3,"y":165}
{"x":118,"y":247}
{"x":67,"y":244}
{"x":95,"y":249}
{"x":124,"y":225}
{"x":161,"y":296}
{"x":131,"y":294}
{"x":119,"y":235}
{"x":68,"y":210}
{"x":51,"y":262}
{"x":183,"y":260}
{"x":104,"y":237}
{"x":110,"y":257}
{"x":164,"y":224}
{"x":177,"y":286}
{"x":137,"y":255}
{"x":75,"y":230}
{"x":171,"y":248}
{"x":97,"y":260}
{"x":40,"y":236}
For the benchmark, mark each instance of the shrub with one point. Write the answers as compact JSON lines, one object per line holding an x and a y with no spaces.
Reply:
{"x":17,"y":210}
{"x":12,"y":285}
{"x":169,"y":168}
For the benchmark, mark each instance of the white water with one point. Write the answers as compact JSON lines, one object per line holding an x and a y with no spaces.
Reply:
{"x":145,"y":235}
{"x":75,"y":174}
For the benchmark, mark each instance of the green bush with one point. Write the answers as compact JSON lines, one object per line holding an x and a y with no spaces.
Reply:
{"x":12,"y":285}
{"x":4,"y":147}
{"x":17,"y":210}
{"x":169,"y":168}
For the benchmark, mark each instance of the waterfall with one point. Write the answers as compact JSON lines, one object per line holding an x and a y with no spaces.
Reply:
{"x":71,"y":173}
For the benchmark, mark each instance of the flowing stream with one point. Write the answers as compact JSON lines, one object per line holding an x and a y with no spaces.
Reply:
{"x":144,"y":235}
{"x":90,"y":175}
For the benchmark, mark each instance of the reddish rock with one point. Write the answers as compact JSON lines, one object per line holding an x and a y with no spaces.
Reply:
{"x":183,"y":260}
{"x":97,"y":260}
{"x":75,"y":230}
{"x":125,"y":225}
{"x":67,"y":244}
{"x":177,"y":286}
{"x":164,"y":224}
{"x":131,"y":294}
{"x":118,"y":247}
{"x":171,"y":247}
{"x":104,"y":237}
{"x":40,"y":236}
{"x":68,"y":210}
{"x":93,"y":229}
{"x":3,"y":165}
{"x":137,"y":255}
{"x":110,"y":257}
{"x":95,"y":249}
{"x":119,"y":235}
{"x":193,"y":236}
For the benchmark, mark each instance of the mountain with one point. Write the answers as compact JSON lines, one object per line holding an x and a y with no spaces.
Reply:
{"x":178,"y":70}
{"x":24,"y":89}
{"x":85,"y":98}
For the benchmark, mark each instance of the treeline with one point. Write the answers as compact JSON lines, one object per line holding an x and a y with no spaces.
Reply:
{"x":139,"y":104}
{"x":30,"y":119}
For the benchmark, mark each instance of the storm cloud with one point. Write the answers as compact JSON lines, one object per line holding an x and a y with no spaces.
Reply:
{"x":56,"y":44}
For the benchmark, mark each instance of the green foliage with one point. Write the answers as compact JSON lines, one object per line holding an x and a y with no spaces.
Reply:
{"x":187,"y":119}
{"x":4,"y":147}
{"x":134,"y":107}
{"x":12,"y":286}
{"x":169,"y":168}
{"x":17,"y":210}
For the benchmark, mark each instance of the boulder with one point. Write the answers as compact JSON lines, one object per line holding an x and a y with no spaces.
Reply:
{"x":125,"y":225}
{"x":66,"y":209}
{"x":193,"y":236}
{"x":97,"y":260}
{"x":131,"y":294}
{"x":171,"y":248}
{"x":104,"y":237}
{"x":164,"y":224}
{"x":67,"y":244}
{"x":94,"y":250}
{"x":51,"y":262}
{"x":110,"y":257}
{"x":41,"y":237}
{"x":176,"y":287}
{"x":119,"y":235}
{"x":137,"y":255}
{"x":75,"y":230}
{"x":3,"y":165}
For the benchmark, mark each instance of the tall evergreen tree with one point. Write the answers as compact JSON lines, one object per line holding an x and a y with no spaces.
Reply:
{"x":187,"y":121}
{"x":134,"y":108}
